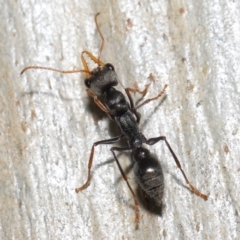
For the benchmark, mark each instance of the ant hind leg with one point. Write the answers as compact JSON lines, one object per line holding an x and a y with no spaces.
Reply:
{"x":152,"y":141}
{"x":108,"y":141}
{"x":127,"y":149}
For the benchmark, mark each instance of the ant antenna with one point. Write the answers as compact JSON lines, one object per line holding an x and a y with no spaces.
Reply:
{"x":53,"y":69}
{"x":85,"y":70}
{"x":102,"y":43}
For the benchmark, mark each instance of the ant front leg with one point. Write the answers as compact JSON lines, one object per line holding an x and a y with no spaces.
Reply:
{"x":108,"y":141}
{"x":154,"y":98}
{"x":143,"y":92}
{"x":134,"y":90}
{"x":152,"y":141}
{"x":127,"y":150}
{"x":98,"y":102}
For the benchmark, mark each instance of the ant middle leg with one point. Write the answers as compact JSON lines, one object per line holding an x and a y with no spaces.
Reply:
{"x":127,"y":150}
{"x":152,"y":141}
{"x":107,"y":141}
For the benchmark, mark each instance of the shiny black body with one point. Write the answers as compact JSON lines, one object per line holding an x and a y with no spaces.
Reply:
{"x":116,"y":103}
{"x":100,"y":82}
{"x":147,"y":169}
{"x":148,"y":172}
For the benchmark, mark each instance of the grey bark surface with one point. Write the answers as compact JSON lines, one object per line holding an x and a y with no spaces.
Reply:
{"x":48,"y":123}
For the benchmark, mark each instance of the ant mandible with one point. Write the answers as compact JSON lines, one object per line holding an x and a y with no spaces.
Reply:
{"x":147,"y":169}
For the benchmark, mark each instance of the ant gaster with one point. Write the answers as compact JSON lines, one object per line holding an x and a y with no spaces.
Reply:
{"x":147,"y":169}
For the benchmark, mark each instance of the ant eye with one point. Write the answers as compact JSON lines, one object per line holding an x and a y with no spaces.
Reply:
{"x":87,"y":83}
{"x":109,"y":66}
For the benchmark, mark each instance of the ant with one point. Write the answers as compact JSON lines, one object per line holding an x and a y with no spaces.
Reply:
{"x":100,"y":82}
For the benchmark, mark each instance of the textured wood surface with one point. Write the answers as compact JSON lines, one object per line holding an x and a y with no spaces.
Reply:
{"x":48,"y":123}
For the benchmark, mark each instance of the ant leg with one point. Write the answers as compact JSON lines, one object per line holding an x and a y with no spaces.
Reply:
{"x":127,"y":149}
{"x":154,"y":98}
{"x":152,"y":141}
{"x":134,"y":90}
{"x":98,"y":102}
{"x":143,"y":92}
{"x":108,"y":141}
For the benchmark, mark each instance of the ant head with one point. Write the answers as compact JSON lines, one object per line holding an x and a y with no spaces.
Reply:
{"x":101,"y":79}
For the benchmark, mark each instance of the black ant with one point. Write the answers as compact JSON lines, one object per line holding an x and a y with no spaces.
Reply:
{"x":100,"y":82}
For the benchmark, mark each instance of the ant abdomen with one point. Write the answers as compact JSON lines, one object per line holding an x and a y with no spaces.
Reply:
{"x":148,"y":173}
